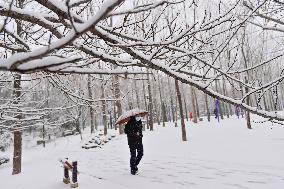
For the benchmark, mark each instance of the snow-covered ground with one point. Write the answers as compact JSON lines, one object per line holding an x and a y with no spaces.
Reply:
{"x":222,"y":155}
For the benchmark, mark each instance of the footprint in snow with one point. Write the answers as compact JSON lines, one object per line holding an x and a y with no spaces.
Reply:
{"x":239,"y":186}
{"x":170,"y":175}
{"x":160,"y":168}
{"x":189,"y":183}
{"x":157,"y":181}
{"x":184,"y":172}
{"x":256,"y":182}
{"x":179,"y":182}
{"x":220,"y":174}
{"x":211,"y":168}
{"x":208,"y":178}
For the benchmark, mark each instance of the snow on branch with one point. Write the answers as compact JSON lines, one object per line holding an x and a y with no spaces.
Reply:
{"x":196,"y":43}
{"x":14,"y":61}
{"x":144,"y":7}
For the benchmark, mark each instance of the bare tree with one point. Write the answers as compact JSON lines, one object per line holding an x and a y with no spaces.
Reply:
{"x":17,"y":156}
{"x":91,"y":106}
{"x":151,"y":123}
{"x":183,"y":131}
{"x":171,"y":51}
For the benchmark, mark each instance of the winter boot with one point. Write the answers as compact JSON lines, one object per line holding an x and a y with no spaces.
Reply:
{"x":134,"y":170}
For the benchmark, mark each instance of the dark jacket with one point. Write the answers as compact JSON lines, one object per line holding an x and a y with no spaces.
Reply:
{"x":133,"y":129}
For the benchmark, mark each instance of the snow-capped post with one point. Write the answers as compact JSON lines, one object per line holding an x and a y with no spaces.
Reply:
{"x":74,"y":183}
{"x":66,"y":178}
{"x":68,"y":167}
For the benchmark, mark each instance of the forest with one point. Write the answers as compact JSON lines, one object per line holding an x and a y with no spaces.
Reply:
{"x":74,"y":66}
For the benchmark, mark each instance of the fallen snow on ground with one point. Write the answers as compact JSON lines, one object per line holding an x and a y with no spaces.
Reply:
{"x":222,"y":155}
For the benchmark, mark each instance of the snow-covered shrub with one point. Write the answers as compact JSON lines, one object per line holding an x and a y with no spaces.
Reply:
{"x":4,"y":160}
{"x":5,"y":140}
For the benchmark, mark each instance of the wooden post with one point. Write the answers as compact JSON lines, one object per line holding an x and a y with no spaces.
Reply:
{"x":74,"y":183}
{"x":66,"y":178}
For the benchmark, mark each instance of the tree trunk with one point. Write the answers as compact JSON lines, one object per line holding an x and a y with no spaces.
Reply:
{"x":17,"y":156}
{"x":246,"y":79}
{"x":196,"y":104}
{"x":130,"y":101}
{"x":96,"y":121}
{"x":270,"y":97}
{"x":90,"y":94}
{"x":171,"y":101}
{"x":176,"y":112}
{"x":137,"y":94}
{"x":156,"y":109}
{"x":207,"y":107}
{"x":104,"y":107}
{"x":150,"y":102}
{"x":234,"y":96}
{"x":220,"y":102}
{"x":183,"y":131}
{"x":165,"y":119}
{"x":193,"y":105}
{"x":145,"y":102}
{"x":265,"y":103}
{"x":117,"y":101}
{"x":114,"y":103}
{"x":225,"y":104}
{"x":163,"y":109}
{"x":184,"y":102}
{"x":247,"y":102}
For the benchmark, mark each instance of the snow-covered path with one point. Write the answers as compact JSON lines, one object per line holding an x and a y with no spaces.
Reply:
{"x":221,"y":156}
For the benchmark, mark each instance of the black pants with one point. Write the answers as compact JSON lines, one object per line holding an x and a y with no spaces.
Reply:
{"x":134,"y":160}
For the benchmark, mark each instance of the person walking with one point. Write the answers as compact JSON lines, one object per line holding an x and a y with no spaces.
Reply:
{"x":133,"y":130}
{"x":190,"y":116}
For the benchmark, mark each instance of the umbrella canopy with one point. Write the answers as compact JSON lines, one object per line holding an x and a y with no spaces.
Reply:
{"x":125,"y":117}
